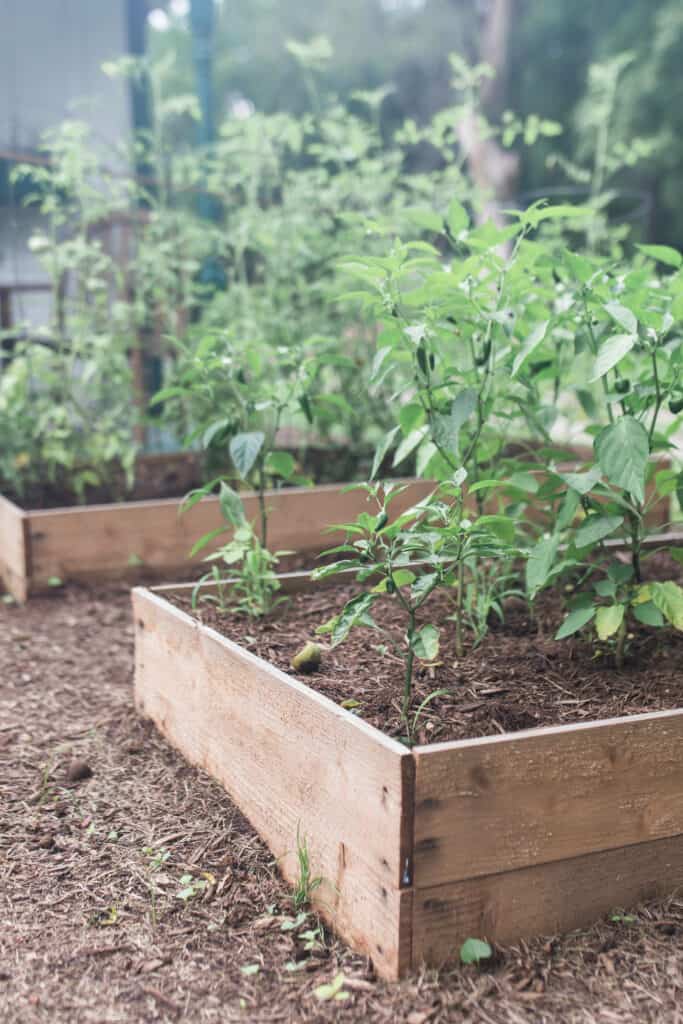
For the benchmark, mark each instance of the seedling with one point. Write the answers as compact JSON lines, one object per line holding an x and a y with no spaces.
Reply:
{"x":333,"y":991}
{"x":473,"y":951}
{"x":156,"y":859}
{"x":306,"y":882}
{"x":191,"y":887}
{"x":253,"y":584}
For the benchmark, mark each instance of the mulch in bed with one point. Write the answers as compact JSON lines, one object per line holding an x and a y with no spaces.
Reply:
{"x":87,"y":789}
{"x":518,"y":677}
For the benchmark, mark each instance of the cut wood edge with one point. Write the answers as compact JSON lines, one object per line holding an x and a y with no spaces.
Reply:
{"x":14,"y":549}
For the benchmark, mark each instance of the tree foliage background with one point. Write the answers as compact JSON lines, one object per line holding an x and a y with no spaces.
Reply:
{"x":550,"y":48}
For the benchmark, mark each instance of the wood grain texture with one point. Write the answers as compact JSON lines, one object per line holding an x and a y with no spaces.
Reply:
{"x":14,"y":553}
{"x":291,"y":760}
{"x":101,"y":541}
{"x":542,"y":900}
{"x":495,"y":804}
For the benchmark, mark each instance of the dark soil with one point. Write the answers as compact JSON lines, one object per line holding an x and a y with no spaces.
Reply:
{"x":173,"y":475}
{"x":86,"y":788}
{"x":518,"y":677}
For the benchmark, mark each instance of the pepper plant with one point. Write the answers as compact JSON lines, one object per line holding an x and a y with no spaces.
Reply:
{"x":424,"y":549}
{"x":630,"y":339}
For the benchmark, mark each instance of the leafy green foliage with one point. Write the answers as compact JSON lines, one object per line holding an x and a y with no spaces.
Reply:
{"x":429,"y":546}
{"x":243,"y":575}
{"x":473,"y":951}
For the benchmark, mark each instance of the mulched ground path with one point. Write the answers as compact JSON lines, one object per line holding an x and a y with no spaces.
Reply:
{"x":82,"y":939}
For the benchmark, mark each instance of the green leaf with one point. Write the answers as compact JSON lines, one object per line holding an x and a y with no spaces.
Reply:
{"x":595,"y":527}
{"x":666,"y":481}
{"x":679,"y":488}
{"x":334,"y":990}
{"x":423,"y":584}
{"x":623,"y":449}
{"x":623,"y":316}
{"x":575,"y":621}
{"x":483,"y":485}
{"x":280,"y":464}
{"x":649,"y":614}
{"x":620,"y":572}
{"x":457,"y":218}
{"x":244,"y":450}
{"x":411,"y":416}
{"x":409,"y":444}
{"x":540,"y":562}
{"x":381,"y":450}
{"x":473,"y":951}
{"x":582,"y":483}
{"x":611,"y":352}
{"x":213,"y":430}
{"x":663,"y":253}
{"x":250,"y":969}
{"x":567,"y":510}
{"x":231,"y":506}
{"x":354,"y":613}
{"x":668,"y":597}
{"x":501,"y":527}
{"x":446,"y":429}
{"x":606,"y":588}
{"x":323,"y":571}
{"x":608,"y":620}
{"x":531,"y":343}
{"x":426,"y":643}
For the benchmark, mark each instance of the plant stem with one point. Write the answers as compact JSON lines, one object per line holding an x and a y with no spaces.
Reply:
{"x":621,"y":637}
{"x":635,"y":522}
{"x":459,"y":646}
{"x":408,"y":678}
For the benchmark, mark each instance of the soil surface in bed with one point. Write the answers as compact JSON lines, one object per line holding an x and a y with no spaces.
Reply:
{"x":79,"y":943}
{"x":518,"y":677}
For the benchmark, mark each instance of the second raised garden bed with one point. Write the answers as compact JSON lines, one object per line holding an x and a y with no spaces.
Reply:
{"x":502,"y":837}
{"x":151,"y":539}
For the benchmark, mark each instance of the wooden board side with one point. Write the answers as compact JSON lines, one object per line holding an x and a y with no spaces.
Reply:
{"x":544,"y":900}
{"x":294,"y":762}
{"x":106,"y":540}
{"x":497,"y":804}
{"x":13,"y":549}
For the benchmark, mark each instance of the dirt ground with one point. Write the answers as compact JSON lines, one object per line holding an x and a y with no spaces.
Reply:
{"x":101,"y":824}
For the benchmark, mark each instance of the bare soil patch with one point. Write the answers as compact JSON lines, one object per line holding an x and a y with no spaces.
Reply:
{"x":85,"y":788}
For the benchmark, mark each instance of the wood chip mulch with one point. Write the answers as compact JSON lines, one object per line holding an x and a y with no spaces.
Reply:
{"x":87,"y":791}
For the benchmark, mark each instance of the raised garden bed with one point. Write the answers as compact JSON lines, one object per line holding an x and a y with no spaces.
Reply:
{"x":151,"y":539}
{"x":501,"y":836}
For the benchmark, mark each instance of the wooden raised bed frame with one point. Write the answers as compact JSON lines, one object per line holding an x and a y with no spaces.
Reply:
{"x":152,"y":539}
{"x":505,"y":837}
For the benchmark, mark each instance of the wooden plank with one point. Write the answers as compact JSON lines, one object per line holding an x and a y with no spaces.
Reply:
{"x":13,"y":549}
{"x":101,"y":540}
{"x":495,"y":804}
{"x":291,"y":760}
{"x":543,"y":900}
